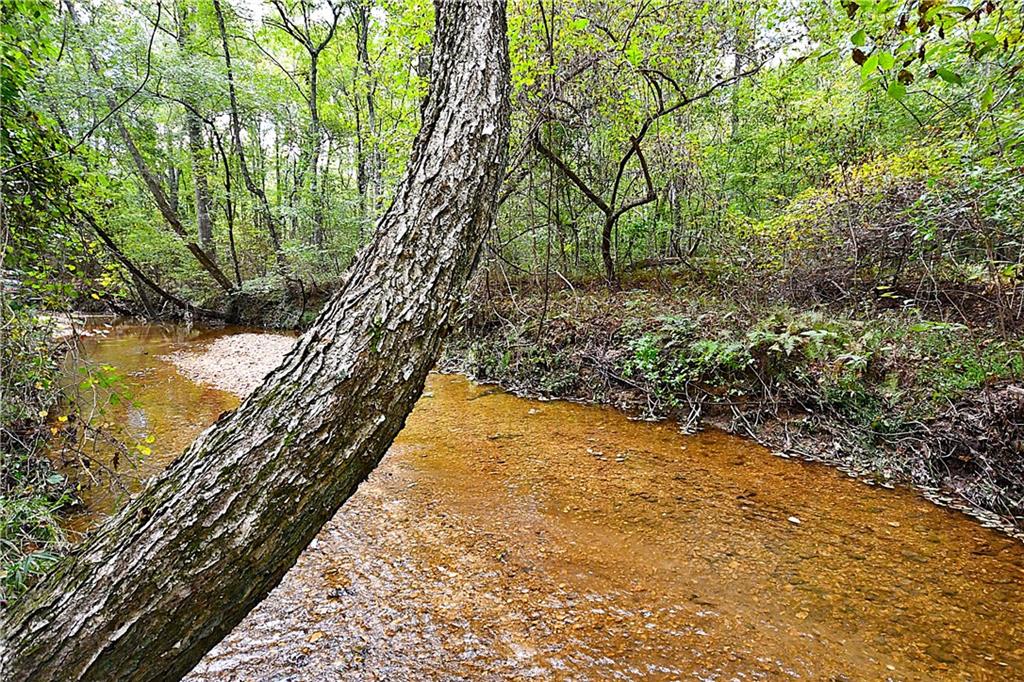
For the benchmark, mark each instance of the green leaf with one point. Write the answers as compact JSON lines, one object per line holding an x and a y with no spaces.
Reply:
{"x":896,"y":90}
{"x":987,"y":97}
{"x":983,"y":38}
{"x":634,"y":55}
{"x":859,"y":38}
{"x":886,"y":60}
{"x":949,"y":76}
{"x":869,"y":66}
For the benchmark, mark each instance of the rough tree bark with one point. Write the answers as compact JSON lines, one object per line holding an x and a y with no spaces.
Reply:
{"x":165,"y":579}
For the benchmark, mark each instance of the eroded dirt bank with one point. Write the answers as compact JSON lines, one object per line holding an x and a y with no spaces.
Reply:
{"x":503,"y":538}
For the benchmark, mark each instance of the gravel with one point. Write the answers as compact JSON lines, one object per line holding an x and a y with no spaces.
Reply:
{"x":236,"y":363}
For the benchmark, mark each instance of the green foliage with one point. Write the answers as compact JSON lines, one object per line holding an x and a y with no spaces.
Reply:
{"x":35,"y":177}
{"x":910,"y":47}
{"x":42,"y":261}
{"x":31,"y":538}
{"x":761,"y":125}
{"x":879,"y":376}
{"x":31,"y":493}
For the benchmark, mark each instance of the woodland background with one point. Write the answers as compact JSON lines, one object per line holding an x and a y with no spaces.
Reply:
{"x":801,"y":220}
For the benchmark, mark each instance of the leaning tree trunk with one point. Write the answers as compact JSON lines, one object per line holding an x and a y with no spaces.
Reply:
{"x":156,"y":587}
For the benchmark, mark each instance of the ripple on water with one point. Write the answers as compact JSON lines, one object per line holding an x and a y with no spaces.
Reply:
{"x":507,"y":538}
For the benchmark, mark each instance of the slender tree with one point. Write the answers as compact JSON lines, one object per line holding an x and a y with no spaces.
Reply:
{"x":368,"y":171}
{"x":196,"y":146}
{"x":254,"y":189}
{"x":615,"y":206}
{"x":314,"y":39}
{"x":166,"y":201}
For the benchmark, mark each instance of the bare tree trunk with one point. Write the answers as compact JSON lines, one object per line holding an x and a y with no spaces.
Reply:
{"x":612,"y":209}
{"x":167,"y":204}
{"x":361,"y":174}
{"x":302,"y":32}
{"x":173,"y":181}
{"x":368,"y":153}
{"x":236,"y":137}
{"x":606,"y":250}
{"x":204,"y":221}
{"x":156,"y":587}
{"x":217,"y":146}
{"x":313,"y":162}
{"x":197,"y":150}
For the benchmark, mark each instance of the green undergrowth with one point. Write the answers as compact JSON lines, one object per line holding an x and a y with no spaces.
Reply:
{"x":32,"y":494}
{"x":881,"y":375}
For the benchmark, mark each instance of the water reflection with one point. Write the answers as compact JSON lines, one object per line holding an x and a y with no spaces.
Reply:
{"x":157,"y":412}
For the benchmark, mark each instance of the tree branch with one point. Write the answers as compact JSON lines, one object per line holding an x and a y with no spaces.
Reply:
{"x":119,"y":255}
{"x":569,"y":173}
{"x":651,"y":194}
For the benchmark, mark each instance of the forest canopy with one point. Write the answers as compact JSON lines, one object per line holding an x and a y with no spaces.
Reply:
{"x":230,"y":147}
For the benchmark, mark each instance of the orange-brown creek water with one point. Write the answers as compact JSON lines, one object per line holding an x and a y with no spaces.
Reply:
{"x":505,"y":538}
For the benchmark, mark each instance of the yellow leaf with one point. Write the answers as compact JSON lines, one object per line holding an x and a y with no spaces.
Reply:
{"x":146,"y":452}
{"x":150,"y":439}
{"x":95,"y":296}
{"x":42,"y":414}
{"x":63,"y":418}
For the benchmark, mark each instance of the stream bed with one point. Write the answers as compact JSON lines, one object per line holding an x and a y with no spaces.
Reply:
{"x":505,"y":538}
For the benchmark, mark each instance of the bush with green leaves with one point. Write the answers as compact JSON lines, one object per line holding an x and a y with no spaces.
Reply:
{"x":32,"y":494}
{"x":892,"y":370}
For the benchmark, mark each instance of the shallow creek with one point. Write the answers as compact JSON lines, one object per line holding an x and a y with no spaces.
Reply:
{"x":505,"y":538}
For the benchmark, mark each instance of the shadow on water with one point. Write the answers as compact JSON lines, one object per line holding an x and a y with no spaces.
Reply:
{"x":508,"y":538}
